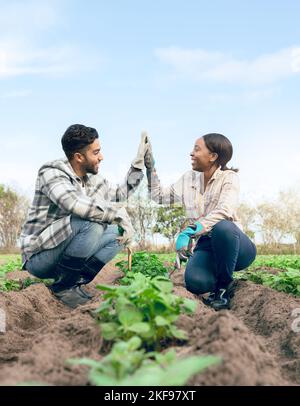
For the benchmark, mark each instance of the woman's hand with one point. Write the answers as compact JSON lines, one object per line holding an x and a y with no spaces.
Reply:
{"x":183,"y":240}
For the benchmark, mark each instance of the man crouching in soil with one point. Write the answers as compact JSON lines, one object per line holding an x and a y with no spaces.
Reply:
{"x":74,"y":223}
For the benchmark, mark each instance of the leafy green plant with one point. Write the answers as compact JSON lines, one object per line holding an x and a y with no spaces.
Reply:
{"x":276,"y":261}
{"x":287,"y":281}
{"x":8,"y":285}
{"x":129,"y":365}
{"x":10,"y":266}
{"x":146,"y":308}
{"x":142,"y":262}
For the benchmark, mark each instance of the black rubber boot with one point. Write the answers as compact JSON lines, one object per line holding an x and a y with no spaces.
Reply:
{"x":222,"y":297}
{"x":209,"y":299}
{"x":89,"y":271}
{"x":65,"y":287}
{"x":72,"y":297}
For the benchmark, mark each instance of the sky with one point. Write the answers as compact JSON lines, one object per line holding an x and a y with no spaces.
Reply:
{"x":176,"y":69}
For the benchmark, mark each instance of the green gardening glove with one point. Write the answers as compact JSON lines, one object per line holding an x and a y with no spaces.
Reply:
{"x":183,"y":240}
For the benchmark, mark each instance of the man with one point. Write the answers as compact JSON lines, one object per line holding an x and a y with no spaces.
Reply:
{"x":75,"y":225}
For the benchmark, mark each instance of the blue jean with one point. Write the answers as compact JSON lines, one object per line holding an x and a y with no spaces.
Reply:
{"x":87,"y":239}
{"x":217,"y":256}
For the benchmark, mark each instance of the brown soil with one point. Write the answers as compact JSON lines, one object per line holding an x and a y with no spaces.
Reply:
{"x":254,"y":338}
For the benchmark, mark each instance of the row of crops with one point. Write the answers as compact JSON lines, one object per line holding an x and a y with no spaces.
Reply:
{"x":280,"y":272}
{"x":138,"y":319}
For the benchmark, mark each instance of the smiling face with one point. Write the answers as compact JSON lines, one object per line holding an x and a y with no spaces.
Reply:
{"x":89,"y":160}
{"x":202,"y":158}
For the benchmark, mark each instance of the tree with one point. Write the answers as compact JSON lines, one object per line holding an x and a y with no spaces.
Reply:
{"x":13,"y":210}
{"x":142,"y":212}
{"x":280,"y":218}
{"x":247,"y":215}
{"x":169,"y":221}
{"x":290,"y":206}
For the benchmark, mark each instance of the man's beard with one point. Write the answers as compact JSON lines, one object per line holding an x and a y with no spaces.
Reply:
{"x":91,"y":169}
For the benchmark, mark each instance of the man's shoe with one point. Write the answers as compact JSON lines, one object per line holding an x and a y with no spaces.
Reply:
{"x":85,"y":292}
{"x":222,"y":298}
{"x":72,"y":297}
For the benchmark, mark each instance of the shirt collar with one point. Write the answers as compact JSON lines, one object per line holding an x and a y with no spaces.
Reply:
{"x":217,"y":173}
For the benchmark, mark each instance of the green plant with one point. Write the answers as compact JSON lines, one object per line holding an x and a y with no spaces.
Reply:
{"x":129,"y":365}
{"x":287,"y":281}
{"x":10,"y":266}
{"x":276,"y":261}
{"x":145,"y":263}
{"x":146,"y":308}
{"x":8,"y":285}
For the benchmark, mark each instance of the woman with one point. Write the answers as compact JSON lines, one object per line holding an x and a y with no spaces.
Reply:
{"x":222,"y":248}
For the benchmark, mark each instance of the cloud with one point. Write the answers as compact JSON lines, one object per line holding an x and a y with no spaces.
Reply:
{"x":19,"y":17}
{"x":200,"y":65}
{"x":25,"y":48}
{"x":24,"y":58}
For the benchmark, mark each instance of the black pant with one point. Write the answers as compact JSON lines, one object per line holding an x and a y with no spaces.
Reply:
{"x":216,"y":257}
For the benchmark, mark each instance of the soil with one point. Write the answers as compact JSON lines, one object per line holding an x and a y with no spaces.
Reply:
{"x":254,"y":338}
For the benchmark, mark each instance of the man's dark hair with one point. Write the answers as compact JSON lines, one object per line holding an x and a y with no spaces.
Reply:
{"x":220,"y":145}
{"x":77,"y":138}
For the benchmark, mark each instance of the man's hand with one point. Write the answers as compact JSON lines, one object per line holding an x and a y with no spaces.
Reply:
{"x":149,"y":160}
{"x":126,"y":230}
{"x":139,"y":161}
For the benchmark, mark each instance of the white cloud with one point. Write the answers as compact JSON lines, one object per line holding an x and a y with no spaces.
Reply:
{"x":25,"y":48}
{"x":199,"y":65}
{"x":26,"y":17}
{"x":24,"y":58}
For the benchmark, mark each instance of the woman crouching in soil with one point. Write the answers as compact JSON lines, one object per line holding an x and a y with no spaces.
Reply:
{"x":210,"y":193}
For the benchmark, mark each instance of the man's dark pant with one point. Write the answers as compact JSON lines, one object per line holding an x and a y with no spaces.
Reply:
{"x":217,"y":256}
{"x":88,"y":240}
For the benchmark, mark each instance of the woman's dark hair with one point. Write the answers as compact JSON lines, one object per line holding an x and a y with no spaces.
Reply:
{"x":220,"y":145}
{"x":76,"y":138}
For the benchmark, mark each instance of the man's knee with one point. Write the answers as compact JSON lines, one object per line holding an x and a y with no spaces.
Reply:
{"x":86,"y":226}
{"x":113,"y":230}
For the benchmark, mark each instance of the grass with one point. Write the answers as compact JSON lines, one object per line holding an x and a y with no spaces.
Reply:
{"x":6,"y":258}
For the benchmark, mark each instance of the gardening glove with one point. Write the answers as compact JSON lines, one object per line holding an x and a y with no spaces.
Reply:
{"x":149,"y":159}
{"x":139,"y":161}
{"x":184,"y":239}
{"x":126,"y":230}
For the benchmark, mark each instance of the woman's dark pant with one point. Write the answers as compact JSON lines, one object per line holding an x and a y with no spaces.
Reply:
{"x":217,"y":256}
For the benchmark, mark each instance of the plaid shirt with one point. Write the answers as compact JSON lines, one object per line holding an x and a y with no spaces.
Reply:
{"x":219,"y":201}
{"x":59,"y":194}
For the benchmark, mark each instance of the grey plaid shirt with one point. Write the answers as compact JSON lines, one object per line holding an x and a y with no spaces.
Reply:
{"x":59,"y":194}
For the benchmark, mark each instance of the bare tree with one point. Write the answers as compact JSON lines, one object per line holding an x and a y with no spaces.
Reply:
{"x":13,"y":211}
{"x":143,"y":214}
{"x":280,"y":218}
{"x":247,"y":217}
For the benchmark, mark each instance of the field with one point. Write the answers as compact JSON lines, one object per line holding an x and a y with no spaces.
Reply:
{"x":257,"y":342}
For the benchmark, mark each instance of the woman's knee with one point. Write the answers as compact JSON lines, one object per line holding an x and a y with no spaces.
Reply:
{"x":199,"y":280}
{"x":223,"y":227}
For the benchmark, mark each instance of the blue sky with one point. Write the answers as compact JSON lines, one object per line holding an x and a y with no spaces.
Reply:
{"x":177,"y":69}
